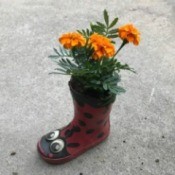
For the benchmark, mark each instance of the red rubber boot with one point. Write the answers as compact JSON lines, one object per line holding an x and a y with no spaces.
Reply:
{"x":89,"y":127}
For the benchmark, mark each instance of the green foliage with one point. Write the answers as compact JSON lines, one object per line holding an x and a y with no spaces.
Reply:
{"x":106,"y":29}
{"x":86,"y":33}
{"x":60,"y":53}
{"x":101,"y":75}
{"x":98,"y":75}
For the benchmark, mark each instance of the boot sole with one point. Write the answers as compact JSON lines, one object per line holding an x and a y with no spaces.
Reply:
{"x":71,"y":157}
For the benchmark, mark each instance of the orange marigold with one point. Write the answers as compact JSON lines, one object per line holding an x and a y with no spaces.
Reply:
{"x":130,"y":33}
{"x":70,"y":40}
{"x":102,"y":46}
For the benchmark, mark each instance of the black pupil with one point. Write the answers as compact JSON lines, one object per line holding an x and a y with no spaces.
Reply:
{"x":55,"y":146}
{"x":50,"y":135}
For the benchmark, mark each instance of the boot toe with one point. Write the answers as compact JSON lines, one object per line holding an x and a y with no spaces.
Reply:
{"x":53,"y":148}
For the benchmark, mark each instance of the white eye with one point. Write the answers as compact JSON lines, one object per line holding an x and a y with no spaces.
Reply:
{"x":53,"y":135}
{"x":57,"y":146}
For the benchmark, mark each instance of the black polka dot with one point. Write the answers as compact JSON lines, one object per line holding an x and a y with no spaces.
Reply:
{"x":100,"y":135}
{"x":81,"y":123}
{"x":68,"y":133}
{"x":89,"y":131}
{"x":76,"y":129}
{"x":88,"y":115}
{"x":73,"y":145}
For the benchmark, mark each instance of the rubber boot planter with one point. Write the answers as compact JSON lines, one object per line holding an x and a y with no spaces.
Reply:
{"x":89,"y":57}
{"x":89,"y":127}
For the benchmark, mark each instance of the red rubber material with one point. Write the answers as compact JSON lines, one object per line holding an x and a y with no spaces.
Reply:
{"x":89,"y":127}
{"x":71,"y":157}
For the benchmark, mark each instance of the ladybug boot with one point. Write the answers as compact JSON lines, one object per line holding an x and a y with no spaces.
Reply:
{"x":89,"y":127}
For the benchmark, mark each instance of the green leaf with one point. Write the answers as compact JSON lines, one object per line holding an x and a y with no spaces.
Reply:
{"x":87,"y":32}
{"x":60,"y":69}
{"x":113,"y":91}
{"x":79,"y":31}
{"x":117,"y":90}
{"x":105,"y":86}
{"x":106,"y":17}
{"x":112,"y":36}
{"x":101,"y":25}
{"x":95,"y":82}
{"x":113,"y":31}
{"x":53,"y":56}
{"x":84,"y":32}
{"x":57,"y":73}
{"x":97,"y":29}
{"x":113,"y":23}
{"x":56,"y":51}
{"x":120,"y":89}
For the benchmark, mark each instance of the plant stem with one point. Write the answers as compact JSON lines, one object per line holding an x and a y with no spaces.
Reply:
{"x":122,"y":45}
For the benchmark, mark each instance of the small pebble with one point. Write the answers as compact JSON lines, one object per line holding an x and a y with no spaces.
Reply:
{"x":124,"y":141}
{"x":163,"y":137}
{"x":81,"y":173}
{"x":14,"y":173}
{"x":157,"y":160}
{"x":142,"y":163}
{"x":13,"y":153}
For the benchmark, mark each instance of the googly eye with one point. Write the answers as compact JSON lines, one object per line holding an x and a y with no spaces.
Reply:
{"x":57,"y":146}
{"x":52,"y":135}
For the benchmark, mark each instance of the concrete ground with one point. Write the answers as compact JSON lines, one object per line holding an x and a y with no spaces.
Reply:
{"x":32,"y":103}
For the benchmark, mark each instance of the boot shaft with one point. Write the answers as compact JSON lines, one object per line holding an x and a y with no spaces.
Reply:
{"x":91,"y":112}
{"x":91,"y":117}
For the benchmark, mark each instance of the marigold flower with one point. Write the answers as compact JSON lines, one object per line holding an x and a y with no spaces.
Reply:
{"x":70,"y":40}
{"x":130,"y":33}
{"x":102,"y":46}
